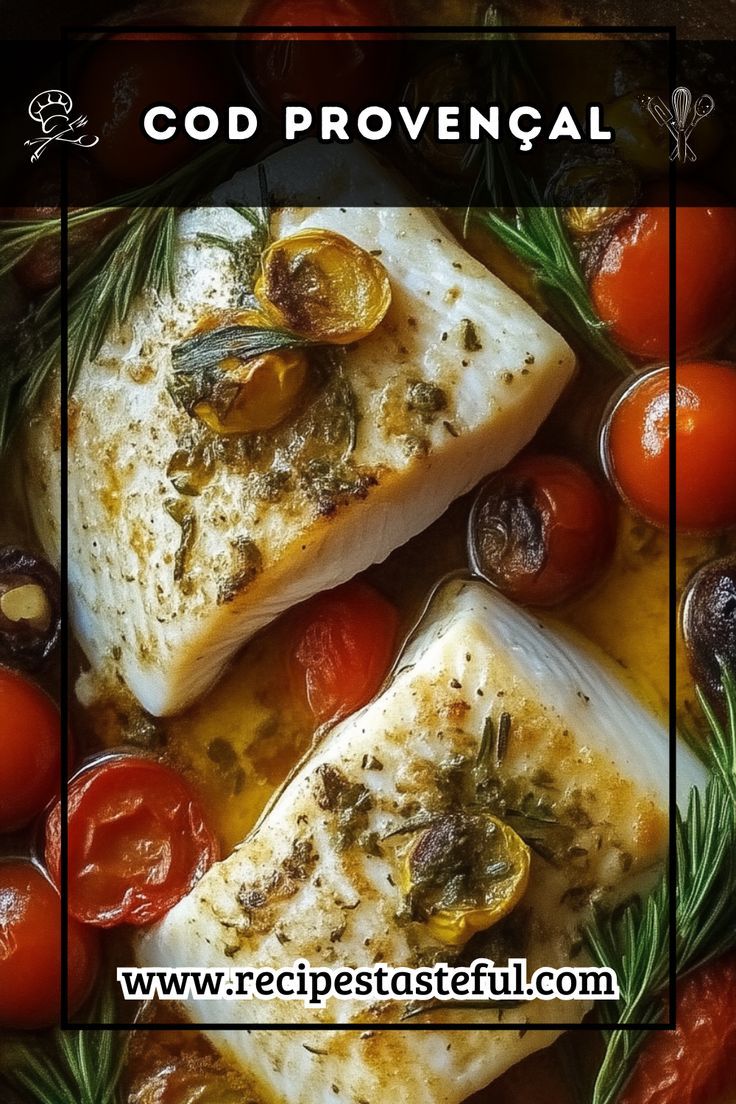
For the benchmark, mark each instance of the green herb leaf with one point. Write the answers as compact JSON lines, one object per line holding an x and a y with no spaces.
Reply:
{"x":636,"y":941}
{"x":206,"y":350}
{"x":79,"y":1067}
{"x":135,"y":251}
{"x":537,"y":236}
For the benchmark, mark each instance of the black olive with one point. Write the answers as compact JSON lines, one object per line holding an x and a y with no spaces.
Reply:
{"x":30,"y":615}
{"x":709,"y":624}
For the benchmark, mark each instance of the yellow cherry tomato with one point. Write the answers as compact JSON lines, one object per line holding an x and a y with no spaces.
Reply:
{"x":266,"y":389}
{"x":253,"y":394}
{"x":464,"y":874}
{"x":323,"y":287}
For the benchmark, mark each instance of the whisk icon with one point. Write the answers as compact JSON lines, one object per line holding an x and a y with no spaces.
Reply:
{"x":682,"y":119}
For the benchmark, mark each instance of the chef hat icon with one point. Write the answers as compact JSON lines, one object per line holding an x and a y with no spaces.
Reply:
{"x":48,"y":107}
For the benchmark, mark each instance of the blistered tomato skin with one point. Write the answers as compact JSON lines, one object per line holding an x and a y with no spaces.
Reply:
{"x":30,"y":957}
{"x":630,"y":289}
{"x":542,"y":530}
{"x":138,"y":842}
{"x":695,"y":1063}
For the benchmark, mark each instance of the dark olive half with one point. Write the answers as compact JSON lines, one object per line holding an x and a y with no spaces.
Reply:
{"x":709,"y":624}
{"x":30,"y":616}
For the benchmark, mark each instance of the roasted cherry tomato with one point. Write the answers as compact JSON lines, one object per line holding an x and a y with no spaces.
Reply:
{"x":123,"y":76}
{"x":335,"y":67}
{"x":695,"y":1063}
{"x":138,"y":841}
{"x":541,"y":530}
{"x":636,"y":443}
{"x":706,"y":445}
{"x":344,"y":641}
{"x":30,"y":950}
{"x":636,"y":446}
{"x":323,"y":286}
{"x":30,"y":750}
{"x":336,"y":14}
{"x":631,"y":286}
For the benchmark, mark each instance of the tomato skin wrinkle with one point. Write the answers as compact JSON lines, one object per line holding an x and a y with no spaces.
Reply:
{"x":138,"y":842}
{"x":542,"y":530}
{"x":695,"y":1063}
{"x":344,"y":642}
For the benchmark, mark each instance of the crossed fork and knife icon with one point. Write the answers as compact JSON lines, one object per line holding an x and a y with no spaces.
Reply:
{"x":682,"y":119}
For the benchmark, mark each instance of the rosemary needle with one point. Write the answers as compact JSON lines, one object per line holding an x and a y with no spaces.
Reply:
{"x":80,"y":1067}
{"x":537,"y":236}
{"x":636,"y":943}
{"x":135,"y":251}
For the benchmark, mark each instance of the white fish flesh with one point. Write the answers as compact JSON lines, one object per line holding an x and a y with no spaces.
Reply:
{"x":580,"y":748}
{"x":164,"y":586}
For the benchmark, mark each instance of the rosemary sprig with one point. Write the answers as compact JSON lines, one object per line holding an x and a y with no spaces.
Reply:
{"x":204,"y":350}
{"x":197,"y":374}
{"x":80,"y":1067}
{"x":534,"y":233}
{"x":537,"y":236}
{"x":635,"y":943}
{"x":135,"y":252}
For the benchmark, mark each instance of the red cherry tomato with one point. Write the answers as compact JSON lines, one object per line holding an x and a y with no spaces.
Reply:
{"x":334,"y":68}
{"x":335,"y":14}
{"x":138,"y":841}
{"x":630,"y":290}
{"x":123,"y":76}
{"x":542,"y":530}
{"x":344,"y":641}
{"x":30,"y":743}
{"x":695,"y":1063}
{"x":30,"y":950}
{"x":706,"y":446}
{"x":638,"y":446}
{"x":40,"y":269}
